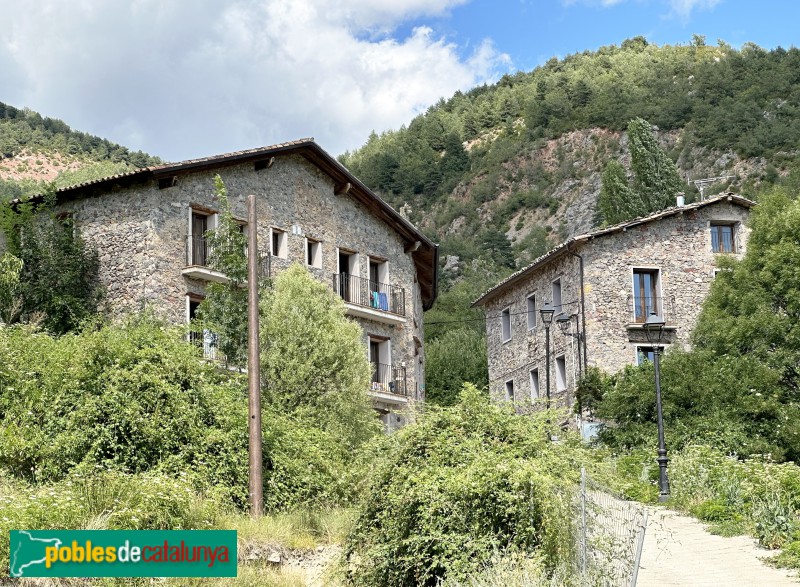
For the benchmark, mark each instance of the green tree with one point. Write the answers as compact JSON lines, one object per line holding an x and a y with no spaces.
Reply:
{"x":453,"y":359}
{"x":58,"y":280}
{"x":656,"y":177}
{"x":224,"y":310}
{"x":617,"y":201}
{"x":313,"y":358}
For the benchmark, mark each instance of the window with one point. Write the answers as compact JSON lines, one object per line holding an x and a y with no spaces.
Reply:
{"x":557,"y":296}
{"x":530,"y":302}
{"x":722,"y":238}
{"x":510,"y":390}
{"x":278,"y":243}
{"x":198,"y":247}
{"x":561,"y":373}
{"x":534,"y":379}
{"x":645,"y":294}
{"x":378,"y":273}
{"x":644,"y":353}
{"x":313,"y":253}
{"x":505,"y":323}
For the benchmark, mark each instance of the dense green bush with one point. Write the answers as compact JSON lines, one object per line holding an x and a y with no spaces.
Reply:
{"x":137,"y":398}
{"x":460,"y":485}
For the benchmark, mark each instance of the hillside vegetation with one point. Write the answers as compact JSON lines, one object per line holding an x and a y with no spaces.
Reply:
{"x":35,"y":150}
{"x":502,"y":172}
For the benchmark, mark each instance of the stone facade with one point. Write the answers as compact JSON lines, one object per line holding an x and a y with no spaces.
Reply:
{"x":142,"y":234}
{"x":670,"y":253}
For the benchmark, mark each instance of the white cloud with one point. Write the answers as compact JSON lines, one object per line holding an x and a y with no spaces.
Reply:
{"x":185,"y":80}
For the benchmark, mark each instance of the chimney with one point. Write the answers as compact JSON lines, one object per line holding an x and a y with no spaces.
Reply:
{"x":681,"y":199}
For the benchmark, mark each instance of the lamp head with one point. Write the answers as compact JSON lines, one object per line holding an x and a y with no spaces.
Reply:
{"x":546,"y":312}
{"x":564,"y":322}
{"x":653,"y":328}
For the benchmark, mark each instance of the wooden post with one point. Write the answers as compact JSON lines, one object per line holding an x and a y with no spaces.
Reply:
{"x":253,"y":360}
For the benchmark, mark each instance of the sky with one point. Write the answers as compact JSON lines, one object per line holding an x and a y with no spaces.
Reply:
{"x":203,"y":77}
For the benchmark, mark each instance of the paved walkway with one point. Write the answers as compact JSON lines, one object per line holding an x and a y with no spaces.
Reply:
{"x":678,"y":552}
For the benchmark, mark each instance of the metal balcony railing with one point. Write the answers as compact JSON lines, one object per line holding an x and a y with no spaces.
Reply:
{"x":209,"y":342}
{"x":641,"y":307}
{"x":198,"y":251}
{"x":389,"y":379}
{"x":370,"y":294}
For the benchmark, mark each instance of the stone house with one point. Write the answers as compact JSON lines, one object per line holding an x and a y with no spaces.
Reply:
{"x":603,"y":285}
{"x":148,"y":227}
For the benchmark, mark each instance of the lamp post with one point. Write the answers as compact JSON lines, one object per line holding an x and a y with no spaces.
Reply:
{"x":564,"y":322}
{"x":654,"y":330}
{"x":546,"y":312}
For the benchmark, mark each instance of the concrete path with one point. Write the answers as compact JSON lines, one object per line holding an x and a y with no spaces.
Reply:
{"x":678,"y":552}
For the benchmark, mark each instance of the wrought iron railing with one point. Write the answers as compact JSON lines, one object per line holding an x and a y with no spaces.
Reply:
{"x":209,"y":342}
{"x":370,"y":294}
{"x":641,"y":307}
{"x":389,"y":379}
{"x":198,"y":252}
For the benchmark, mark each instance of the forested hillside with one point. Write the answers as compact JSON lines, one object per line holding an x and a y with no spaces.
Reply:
{"x":36,"y":149}
{"x":502,"y":172}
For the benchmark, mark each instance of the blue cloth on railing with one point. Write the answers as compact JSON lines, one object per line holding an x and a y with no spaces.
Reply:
{"x":374,"y":301}
{"x":384,"y":301}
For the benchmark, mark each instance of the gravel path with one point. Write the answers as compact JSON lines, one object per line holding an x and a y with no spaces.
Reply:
{"x":678,"y":552}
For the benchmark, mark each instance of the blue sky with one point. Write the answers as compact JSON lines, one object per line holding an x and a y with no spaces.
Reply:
{"x":184,"y":80}
{"x":532,"y":31}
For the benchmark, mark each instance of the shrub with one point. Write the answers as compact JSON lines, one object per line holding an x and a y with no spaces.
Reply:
{"x":463,"y":483}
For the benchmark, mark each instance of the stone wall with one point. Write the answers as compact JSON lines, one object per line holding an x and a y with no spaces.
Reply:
{"x":141,"y":236}
{"x":677,"y":247}
{"x":514,"y":359}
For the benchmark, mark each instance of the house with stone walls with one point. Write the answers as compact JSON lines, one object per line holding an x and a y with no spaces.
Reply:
{"x":603,"y":285}
{"x":149,"y":227}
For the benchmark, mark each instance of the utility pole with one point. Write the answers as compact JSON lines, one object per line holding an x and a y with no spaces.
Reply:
{"x":253,"y":358}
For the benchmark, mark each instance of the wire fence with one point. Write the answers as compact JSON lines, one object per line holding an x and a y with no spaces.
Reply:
{"x":610,"y":535}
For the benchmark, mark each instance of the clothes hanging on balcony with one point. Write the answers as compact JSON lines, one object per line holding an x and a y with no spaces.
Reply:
{"x":375,"y":300}
{"x":384,"y":301}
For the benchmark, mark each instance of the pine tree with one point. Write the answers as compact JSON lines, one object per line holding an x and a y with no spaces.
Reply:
{"x":657,"y":178}
{"x":617,"y":201}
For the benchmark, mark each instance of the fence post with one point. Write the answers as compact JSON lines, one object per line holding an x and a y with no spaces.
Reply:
{"x":639,"y":545}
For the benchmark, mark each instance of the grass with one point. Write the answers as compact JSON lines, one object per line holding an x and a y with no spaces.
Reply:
{"x":300,"y":529}
{"x":115,"y":500}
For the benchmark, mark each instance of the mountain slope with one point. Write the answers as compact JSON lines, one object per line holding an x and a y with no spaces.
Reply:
{"x":35,"y":150}
{"x":505,"y":171}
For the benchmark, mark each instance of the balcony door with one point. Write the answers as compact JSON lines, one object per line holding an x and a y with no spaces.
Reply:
{"x":645,"y":294}
{"x":198,"y":239}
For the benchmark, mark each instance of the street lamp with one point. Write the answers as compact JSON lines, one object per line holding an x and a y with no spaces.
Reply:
{"x":546,"y":312}
{"x":564,"y":322}
{"x":654,"y":330}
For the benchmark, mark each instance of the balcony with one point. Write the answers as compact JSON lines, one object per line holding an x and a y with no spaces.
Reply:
{"x":371,"y":299}
{"x":640,"y":307}
{"x":197,"y":253}
{"x":388,"y":383}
